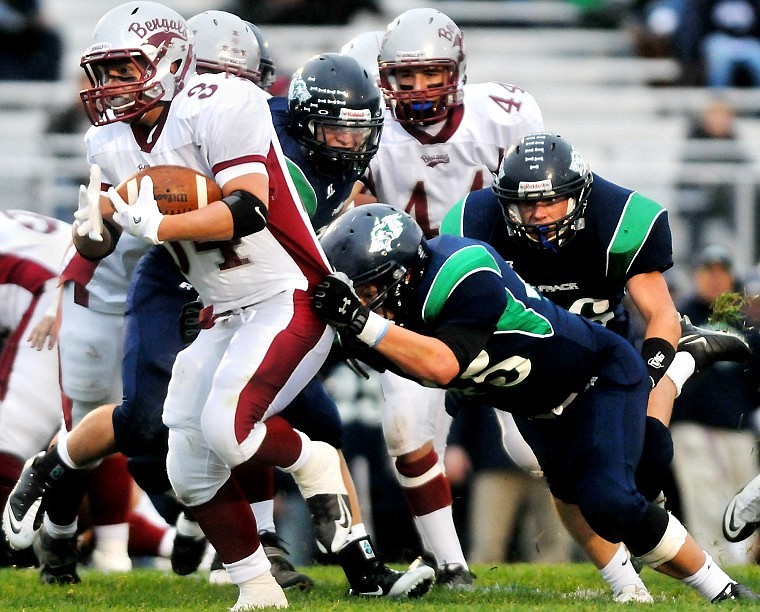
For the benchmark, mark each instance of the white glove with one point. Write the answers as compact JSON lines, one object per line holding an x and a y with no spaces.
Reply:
{"x":142,"y":218}
{"x":87,"y":219}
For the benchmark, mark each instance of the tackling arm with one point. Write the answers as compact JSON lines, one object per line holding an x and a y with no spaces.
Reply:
{"x":423,"y":357}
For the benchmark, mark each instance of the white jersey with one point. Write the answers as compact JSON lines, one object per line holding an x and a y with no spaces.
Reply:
{"x":221,"y":126}
{"x":102,"y":284}
{"x":427,"y":174}
{"x":31,"y":255}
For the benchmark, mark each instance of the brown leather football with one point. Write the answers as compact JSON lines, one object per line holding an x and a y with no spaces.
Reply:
{"x":177,"y":189}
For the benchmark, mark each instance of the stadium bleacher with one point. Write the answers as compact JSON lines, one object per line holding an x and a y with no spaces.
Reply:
{"x":590,"y":84}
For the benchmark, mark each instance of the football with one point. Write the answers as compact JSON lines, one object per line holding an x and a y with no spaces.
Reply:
{"x":177,"y":189}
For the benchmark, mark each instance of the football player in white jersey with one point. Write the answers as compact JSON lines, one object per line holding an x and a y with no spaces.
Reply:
{"x":32,"y":248}
{"x":252,"y":257}
{"x":442,"y":139}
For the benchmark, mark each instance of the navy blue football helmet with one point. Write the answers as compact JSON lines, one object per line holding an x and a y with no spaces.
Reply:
{"x":336,"y":113}
{"x":543,"y":167}
{"x":378,"y":244}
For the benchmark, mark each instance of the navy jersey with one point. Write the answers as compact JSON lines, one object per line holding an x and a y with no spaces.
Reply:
{"x":534,"y":355}
{"x":625,"y":234}
{"x":322,"y":195}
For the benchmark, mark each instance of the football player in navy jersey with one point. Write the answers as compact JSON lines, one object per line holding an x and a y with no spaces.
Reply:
{"x":451,"y":313}
{"x":584,"y":242}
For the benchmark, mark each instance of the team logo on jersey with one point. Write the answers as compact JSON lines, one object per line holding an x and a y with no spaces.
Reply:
{"x":433,"y":160}
{"x":384,"y":232}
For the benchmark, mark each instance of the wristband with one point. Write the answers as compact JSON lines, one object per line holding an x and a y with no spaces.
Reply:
{"x":658,"y":355}
{"x":682,"y":366}
{"x":374,"y":329}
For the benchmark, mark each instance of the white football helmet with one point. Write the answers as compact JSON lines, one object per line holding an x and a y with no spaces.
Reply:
{"x":365,"y":49}
{"x":155,"y":39}
{"x":419,"y":38}
{"x":224,"y":43}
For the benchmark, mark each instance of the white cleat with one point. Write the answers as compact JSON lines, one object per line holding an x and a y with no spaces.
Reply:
{"x":742,"y":515}
{"x":260,"y":592}
{"x":23,"y":512}
{"x":111,"y":561}
{"x":633,"y":593}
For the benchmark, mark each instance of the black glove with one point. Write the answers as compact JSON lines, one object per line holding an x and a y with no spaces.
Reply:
{"x":336,"y":303}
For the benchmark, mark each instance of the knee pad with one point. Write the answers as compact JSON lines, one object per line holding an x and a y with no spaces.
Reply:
{"x":669,"y":545}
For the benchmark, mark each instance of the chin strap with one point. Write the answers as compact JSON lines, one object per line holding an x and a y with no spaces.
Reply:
{"x":545,"y":242}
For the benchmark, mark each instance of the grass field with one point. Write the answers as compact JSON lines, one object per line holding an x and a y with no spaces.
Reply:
{"x":499,"y":587}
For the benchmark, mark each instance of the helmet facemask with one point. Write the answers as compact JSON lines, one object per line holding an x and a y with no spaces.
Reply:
{"x":421,"y":106}
{"x":342,"y":148}
{"x":540,"y":171}
{"x":162,"y":58}
{"x":551,"y":235}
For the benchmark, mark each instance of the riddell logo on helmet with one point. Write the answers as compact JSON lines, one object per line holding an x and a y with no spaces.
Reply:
{"x":158,"y":25}
{"x":355,"y":114}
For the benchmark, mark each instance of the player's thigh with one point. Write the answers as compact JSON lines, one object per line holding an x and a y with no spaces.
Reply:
{"x":271,"y":356}
{"x":31,"y":411}
{"x":411,"y":413}
{"x":91,"y":347}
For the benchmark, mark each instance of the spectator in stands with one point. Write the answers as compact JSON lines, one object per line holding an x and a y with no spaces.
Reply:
{"x":723,"y":36}
{"x":715,"y":450}
{"x":707,"y":195}
{"x":30,"y":49}
{"x":654,"y":24}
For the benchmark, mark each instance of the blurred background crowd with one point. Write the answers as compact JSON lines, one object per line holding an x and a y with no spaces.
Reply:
{"x":661,"y":96}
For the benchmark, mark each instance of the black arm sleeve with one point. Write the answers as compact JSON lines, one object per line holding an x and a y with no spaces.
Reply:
{"x":465,"y":342}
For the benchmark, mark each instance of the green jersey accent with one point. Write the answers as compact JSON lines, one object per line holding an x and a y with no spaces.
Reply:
{"x":635,"y":224}
{"x":458,"y":266}
{"x":518,"y":318}
{"x":452,"y":220}
{"x":468,"y":260}
{"x":304,"y":188}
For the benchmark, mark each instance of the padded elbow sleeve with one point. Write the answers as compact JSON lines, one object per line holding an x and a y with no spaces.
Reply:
{"x":249,"y":214}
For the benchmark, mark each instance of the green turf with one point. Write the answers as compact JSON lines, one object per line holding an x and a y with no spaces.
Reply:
{"x":513,"y":587}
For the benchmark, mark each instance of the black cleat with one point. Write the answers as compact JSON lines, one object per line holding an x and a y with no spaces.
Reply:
{"x":455,"y":576}
{"x":282,"y":569}
{"x":368,"y":576}
{"x":733,"y":591}
{"x":58,"y":559}
{"x":189,"y":546}
{"x":331,"y":520}
{"x":387,"y":582}
{"x":708,"y":346}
